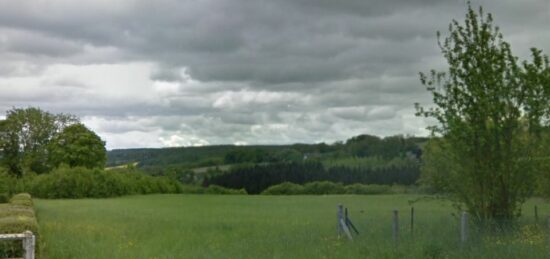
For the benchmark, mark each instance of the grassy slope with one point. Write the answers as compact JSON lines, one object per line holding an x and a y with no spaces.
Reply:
{"x":210,"y":226}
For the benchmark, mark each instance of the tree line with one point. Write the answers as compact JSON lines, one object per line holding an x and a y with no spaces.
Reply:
{"x":256,"y":178}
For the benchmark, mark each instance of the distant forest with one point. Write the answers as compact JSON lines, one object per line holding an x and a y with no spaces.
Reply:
{"x":361,"y":159}
{"x":191,"y":157}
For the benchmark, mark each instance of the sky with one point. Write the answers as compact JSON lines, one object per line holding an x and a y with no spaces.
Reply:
{"x":167,"y":73}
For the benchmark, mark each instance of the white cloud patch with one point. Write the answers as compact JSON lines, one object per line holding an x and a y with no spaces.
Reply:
{"x":178,"y":140}
{"x":234,"y":99}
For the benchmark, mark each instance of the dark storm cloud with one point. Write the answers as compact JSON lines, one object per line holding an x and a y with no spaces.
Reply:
{"x":211,"y":71}
{"x":262,"y":41}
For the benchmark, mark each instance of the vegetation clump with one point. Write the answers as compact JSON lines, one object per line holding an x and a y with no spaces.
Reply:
{"x":492,"y":112}
{"x":16,"y":217}
{"x":81,"y":182}
{"x":325,"y":187}
{"x":22,"y":199}
{"x":286,"y":188}
{"x":368,"y":189}
{"x":257,"y":178}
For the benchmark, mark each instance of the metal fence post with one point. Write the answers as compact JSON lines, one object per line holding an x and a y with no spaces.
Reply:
{"x":339,"y":217}
{"x":395,"y":226}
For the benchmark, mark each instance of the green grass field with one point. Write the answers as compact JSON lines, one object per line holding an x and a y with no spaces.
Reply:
{"x":214,"y":226}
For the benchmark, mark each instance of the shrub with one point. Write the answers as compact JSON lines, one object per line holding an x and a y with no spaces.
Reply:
{"x":324,"y":187}
{"x":15,"y":224}
{"x":398,"y":188}
{"x":4,"y":197}
{"x":286,"y":188}
{"x":212,"y":189}
{"x":17,"y":217}
{"x":192,"y":189}
{"x":7,"y":183}
{"x":367,"y":189}
{"x":256,"y":178}
{"x":14,"y":210}
{"x":22,"y":199}
{"x":216,"y":189}
{"x":18,"y":224}
{"x":80,"y":182}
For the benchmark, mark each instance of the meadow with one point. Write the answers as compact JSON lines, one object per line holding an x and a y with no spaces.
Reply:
{"x":258,"y":226}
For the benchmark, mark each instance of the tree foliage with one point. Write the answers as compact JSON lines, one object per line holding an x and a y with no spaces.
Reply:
{"x":491,"y":109}
{"x":24,"y":135}
{"x":388,"y":147}
{"x":76,"y":146}
{"x":543,"y":162}
{"x":257,"y":178}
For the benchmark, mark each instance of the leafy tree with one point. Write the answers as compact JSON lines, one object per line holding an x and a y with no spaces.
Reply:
{"x":436,"y":166}
{"x":76,"y":146}
{"x":543,"y":160}
{"x":363,"y":145}
{"x":288,"y":155}
{"x":490,"y":110}
{"x":24,"y":135}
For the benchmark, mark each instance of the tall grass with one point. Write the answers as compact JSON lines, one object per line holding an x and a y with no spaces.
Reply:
{"x":238,"y":226}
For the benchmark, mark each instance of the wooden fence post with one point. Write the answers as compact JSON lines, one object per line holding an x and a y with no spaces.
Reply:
{"x":29,"y":245}
{"x":464,"y":227}
{"x":28,"y":239}
{"x":395,"y":226}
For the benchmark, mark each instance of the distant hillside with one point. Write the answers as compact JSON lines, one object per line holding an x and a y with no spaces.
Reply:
{"x":199,"y":156}
{"x":193,"y":157}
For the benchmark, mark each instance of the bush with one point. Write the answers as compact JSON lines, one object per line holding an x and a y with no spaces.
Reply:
{"x":4,"y":197}
{"x":324,"y":187}
{"x":22,"y":199}
{"x":14,"y":210}
{"x":80,"y":182}
{"x":17,"y":217}
{"x":18,"y":224}
{"x":192,"y":189}
{"x":286,"y":188}
{"x":367,"y":189}
{"x":216,"y":189}
{"x":7,"y":182}
{"x":212,"y":189}
{"x":399,"y":188}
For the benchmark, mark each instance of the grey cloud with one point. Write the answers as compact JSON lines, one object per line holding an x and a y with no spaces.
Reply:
{"x":234,"y":41}
{"x":167,"y":74}
{"x":238,"y":71}
{"x":34,"y":44}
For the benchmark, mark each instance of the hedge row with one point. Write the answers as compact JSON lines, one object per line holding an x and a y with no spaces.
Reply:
{"x":325,"y":187}
{"x":257,"y":178}
{"x":79,"y":182}
{"x":17,"y":216}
